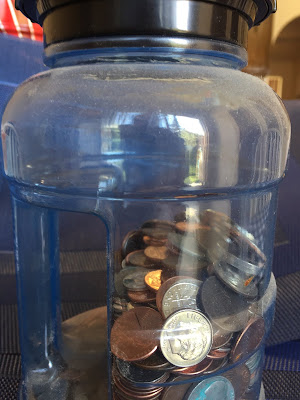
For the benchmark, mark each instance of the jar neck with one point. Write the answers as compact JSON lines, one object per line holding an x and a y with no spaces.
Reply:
{"x":145,"y":49}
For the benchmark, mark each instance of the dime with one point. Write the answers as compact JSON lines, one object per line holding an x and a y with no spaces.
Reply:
{"x":138,"y":259}
{"x":156,"y":254}
{"x":134,"y":335}
{"x":164,"y":287}
{"x":145,"y":296}
{"x":239,"y":378}
{"x":182,"y":294}
{"x":134,"y":374}
{"x":153,"y":280}
{"x":133,"y":241}
{"x":186,"y":338}
{"x":135,"y":281}
{"x":225,"y":308}
{"x":217,"y":388}
{"x":249,"y":340}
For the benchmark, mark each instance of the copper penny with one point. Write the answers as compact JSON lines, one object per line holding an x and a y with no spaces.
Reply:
{"x":220,"y":337}
{"x":150,"y":241}
{"x":157,"y":229}
{"x":218,"y":354}
{"x":195,"y":370}
{"x":175,"y":392}
{"x":155,"y":362}
{"x":145,"y":296}
{"x":249,"y":340}
{"x":138,"y":258}
{"x":153,"y":280}
{"x":216,"y":365}
{"x":156,"y":254}
{"x":239,"y":378}
{"x":187,"y":226}
{"x":135,"y":334}
{"x":167,"y":274}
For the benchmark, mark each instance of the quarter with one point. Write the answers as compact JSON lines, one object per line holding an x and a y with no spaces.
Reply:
{"x":217,"y":388}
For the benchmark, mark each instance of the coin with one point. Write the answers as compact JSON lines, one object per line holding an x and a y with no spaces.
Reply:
{"x":119,"y":287}
{"x":217,"y":388}
{"x":138,"y":259}
{"x":237,"y":280}
{"x":220,"y":337}
{"x":156,"y":254}
{"x":134,"y":374}
{"x":153,"y":280}
{"x":135,"y":281}
{"x":249,"y":340}
{"x":219,"y":354}
{"x":177,"y":391}
{"x":225,"y":308}
{"x":195,"y":370}
{"x":187,"y":244}
{"x":187,"y":226}
{"x":150,"y":241}
{"x":240,"y":378}
{"x":134,"y":335}
{"x":164,"y":287}
{"x":181,"y":294}
{"x":216,"y":365}
{"x":155,"y":362}
{"x":158,"y":229}
{"x":186,"y":338}
{"x":145,"y":296}
{"x":132,"y":241}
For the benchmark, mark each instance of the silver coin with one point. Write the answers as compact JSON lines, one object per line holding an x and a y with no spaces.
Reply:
{"x":186,"y":338}
{"x":217,"y":388}
{"x":135,"y":281}
{"x":187,"y":244}
{"x":225,"y":308}
{"x":237,"y":280}
{"x":182,"y":294}
{"x":119,"y":287}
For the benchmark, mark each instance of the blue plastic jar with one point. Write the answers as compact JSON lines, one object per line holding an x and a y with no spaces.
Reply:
{"x":180,"y":154}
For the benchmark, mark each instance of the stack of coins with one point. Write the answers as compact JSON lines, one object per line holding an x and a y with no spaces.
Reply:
{"x":184,"y":307}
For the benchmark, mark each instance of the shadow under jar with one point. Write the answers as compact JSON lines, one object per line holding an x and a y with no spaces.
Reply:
{"x":180,"y":154}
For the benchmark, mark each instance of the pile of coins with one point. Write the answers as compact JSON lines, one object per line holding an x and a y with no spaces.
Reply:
{"x":186,"y":305}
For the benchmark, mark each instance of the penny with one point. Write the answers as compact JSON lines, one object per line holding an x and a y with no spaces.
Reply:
{"x":239,"y":378}
{"x":238,"y":281}
{"x":145,"y":296}
{"x":216,"y":365}
{"x":138,"y":259}
{"x":150,"y":241}
{"x":158,"y":229}
{"x":153,"y":280}
{"x":220,"y":337}
{"x":181,"y":294}
{"x":217,"y":388}
{"x":135,"y":281}
{"x":167,"y":274}
{"x":156,"y":254}
{"x":225,"y":308}
{"x":177,"y":391}
{"x":127,"y":391}
{"x":132,"y":241}
{"x":218,"y":354}
{"x":195,"y":370}
{"x":120,"y":276}
{"x":186,"y":338}
{"x":134,"y":335}
{"x":155,"y":362}
{"x":187,"y":226}
{"x":249,"y":340}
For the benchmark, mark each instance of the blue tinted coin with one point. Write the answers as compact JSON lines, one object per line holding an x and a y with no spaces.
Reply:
{"x":218,"y":388}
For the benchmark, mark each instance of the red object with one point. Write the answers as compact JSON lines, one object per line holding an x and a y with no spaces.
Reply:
{"x":13,"y":22}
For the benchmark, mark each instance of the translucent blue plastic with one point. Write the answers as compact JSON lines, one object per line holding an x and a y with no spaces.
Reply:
{"x":131,"y":139}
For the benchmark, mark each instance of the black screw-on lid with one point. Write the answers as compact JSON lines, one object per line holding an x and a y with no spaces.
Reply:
{"x":225,"y":20}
